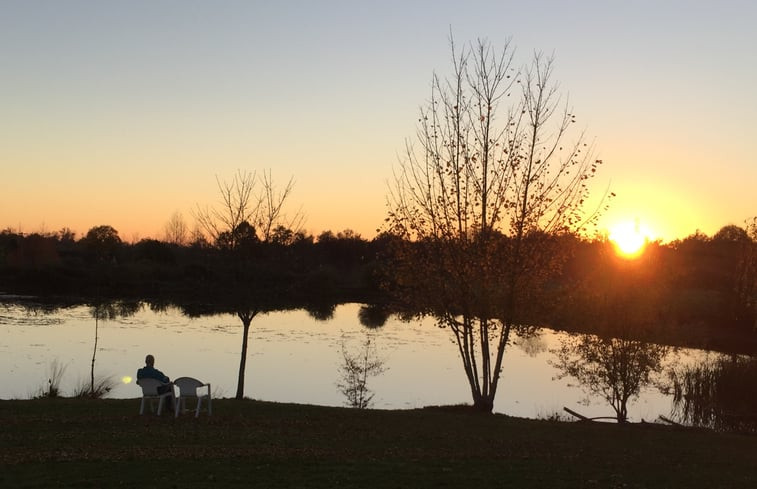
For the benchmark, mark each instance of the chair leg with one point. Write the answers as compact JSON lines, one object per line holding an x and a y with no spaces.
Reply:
{"x":142,"y":407}
{"x":160,"y":405}
{"x":199,"y":403}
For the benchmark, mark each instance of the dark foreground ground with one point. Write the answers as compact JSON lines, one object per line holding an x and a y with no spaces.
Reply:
{"x":105,"y":443}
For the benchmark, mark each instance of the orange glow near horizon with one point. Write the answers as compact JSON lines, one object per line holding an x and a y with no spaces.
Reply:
{"x":630,"y":238}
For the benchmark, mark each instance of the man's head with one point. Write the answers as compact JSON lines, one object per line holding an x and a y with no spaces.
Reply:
{"x":149,"y":360}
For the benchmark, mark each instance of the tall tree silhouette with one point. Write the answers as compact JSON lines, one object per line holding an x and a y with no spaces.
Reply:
{"x":492,"y":178}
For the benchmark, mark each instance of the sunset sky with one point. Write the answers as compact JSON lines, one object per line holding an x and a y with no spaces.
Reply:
{"x":123,"y":113}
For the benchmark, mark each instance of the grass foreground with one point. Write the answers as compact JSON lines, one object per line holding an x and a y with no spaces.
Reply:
{"x":106,"y":443}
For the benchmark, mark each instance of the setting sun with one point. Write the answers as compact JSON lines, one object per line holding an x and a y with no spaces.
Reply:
{"x":629,"y":238}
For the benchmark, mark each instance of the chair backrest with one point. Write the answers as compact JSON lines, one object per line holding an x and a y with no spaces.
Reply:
{"x":149,"y":386}
{"x":187,"y":386}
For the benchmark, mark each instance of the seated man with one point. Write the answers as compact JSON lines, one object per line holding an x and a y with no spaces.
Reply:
{"x":150,"y":372}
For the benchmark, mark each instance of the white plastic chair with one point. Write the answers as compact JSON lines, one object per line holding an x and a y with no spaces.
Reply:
{"x":190,"y":388}
{"x":150,"y":391}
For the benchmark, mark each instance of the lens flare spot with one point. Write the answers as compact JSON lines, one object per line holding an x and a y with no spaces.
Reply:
{"x":126,"y":379}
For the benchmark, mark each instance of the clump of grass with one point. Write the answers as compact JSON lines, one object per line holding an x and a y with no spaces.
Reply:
{"x":219,"y":393}
{"x":97,"y":390}
{"x":720,"y":394}
{"x":556,"y":416}
{"x":55,"y":373}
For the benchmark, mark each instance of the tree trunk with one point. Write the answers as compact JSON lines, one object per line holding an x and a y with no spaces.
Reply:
{"x":246,"y":318}
{"x":484,"y":404}
{"x":94,"y":355}
{"x":623,"y":413}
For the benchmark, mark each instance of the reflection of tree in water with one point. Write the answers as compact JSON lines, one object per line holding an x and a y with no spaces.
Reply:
{"x":717,"y":393}
{"x":616,"y":369}
{"x":323,"y":311}
{"x":532,"y":343}
{"x":112,"y":310}
{"x":373,"y":316}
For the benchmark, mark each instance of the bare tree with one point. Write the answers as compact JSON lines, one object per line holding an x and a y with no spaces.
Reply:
{"x":247,"y":199}
{"x":237,"y":205}
{"x":270,"y":215}
{"x":354,"y":372}
{"x":176,"y":231}
{"x":490,"y":182}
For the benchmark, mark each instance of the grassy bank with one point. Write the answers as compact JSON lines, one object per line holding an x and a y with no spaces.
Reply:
{"x":105,"y":443}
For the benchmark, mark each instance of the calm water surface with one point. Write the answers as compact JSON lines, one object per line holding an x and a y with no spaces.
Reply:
{"x":291,"y":358}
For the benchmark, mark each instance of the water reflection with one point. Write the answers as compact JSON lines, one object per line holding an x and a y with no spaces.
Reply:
{"x":373,"y":315}
{"x":290,"y":357}
{"x":322,"y":311}
{"x":532,"y":344}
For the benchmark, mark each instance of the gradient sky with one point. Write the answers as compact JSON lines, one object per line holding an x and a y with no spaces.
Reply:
{"x":123,"y":113}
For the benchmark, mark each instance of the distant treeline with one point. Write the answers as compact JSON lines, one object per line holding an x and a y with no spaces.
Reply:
{"x":702,"y":286}
{"x":338,"y":267}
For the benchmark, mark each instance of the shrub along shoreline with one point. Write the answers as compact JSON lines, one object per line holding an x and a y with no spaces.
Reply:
{"x":105,"y":443}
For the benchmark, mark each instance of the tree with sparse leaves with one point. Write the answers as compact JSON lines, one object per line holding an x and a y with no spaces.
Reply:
{"x":480,"y":200}
{"x":616,"y":369}
{"x":355,"y":370}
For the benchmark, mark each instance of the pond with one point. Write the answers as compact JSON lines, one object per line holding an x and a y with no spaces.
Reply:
{"x":292,"y":357}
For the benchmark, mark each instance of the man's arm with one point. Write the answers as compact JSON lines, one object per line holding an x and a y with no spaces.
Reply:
{"x":163,"y":377}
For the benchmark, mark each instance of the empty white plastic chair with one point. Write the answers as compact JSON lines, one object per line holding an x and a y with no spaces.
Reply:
{"x":150,"y":390}
{"x":190,"y":388}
